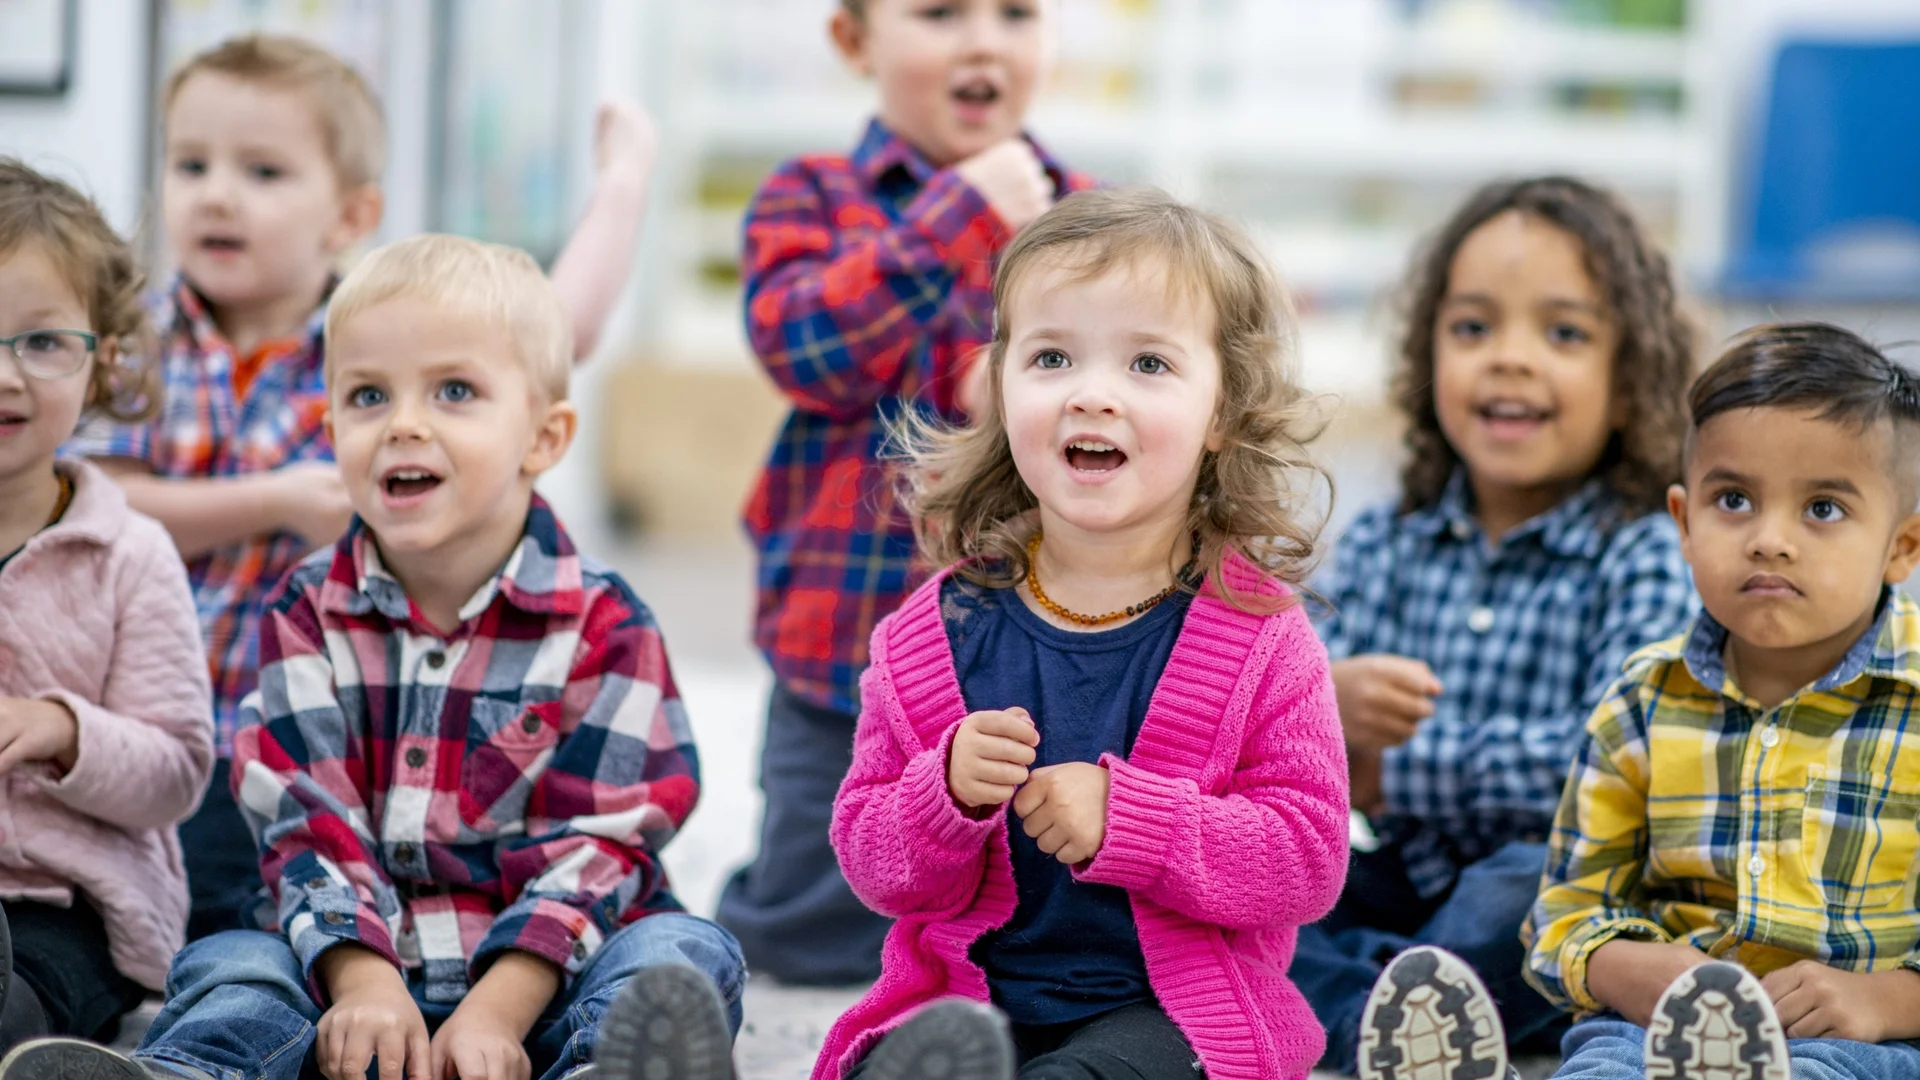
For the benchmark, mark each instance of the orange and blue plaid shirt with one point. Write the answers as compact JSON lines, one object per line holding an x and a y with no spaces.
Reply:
{"x":209,"y":426}
{"x":442,"y":798}
{"x":869,"y":285}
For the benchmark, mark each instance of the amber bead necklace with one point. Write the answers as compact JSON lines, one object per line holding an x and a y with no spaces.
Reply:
{"x":1040,"y":595}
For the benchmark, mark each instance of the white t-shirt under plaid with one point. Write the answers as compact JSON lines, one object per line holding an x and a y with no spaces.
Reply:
{"x":1524,"y":635}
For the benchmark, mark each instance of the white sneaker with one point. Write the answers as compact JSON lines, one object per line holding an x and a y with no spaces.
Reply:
{"x":1429,"y":1017}
{"x":1716,"y":1023}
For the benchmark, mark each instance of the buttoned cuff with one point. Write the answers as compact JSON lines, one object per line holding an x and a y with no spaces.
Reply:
{"x":1577,"y":952}
{"x":332,"y":918}
{"x":558,"y":933}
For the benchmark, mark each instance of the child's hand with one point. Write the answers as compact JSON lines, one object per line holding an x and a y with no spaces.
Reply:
{"x":1818,"y":1002}
{"x":475,"y":1044}
{"x":625,"y":141}
{"x":313,"y":501}
{"x":1064,"y":809}
{"x":1628,"y":976}
{"x":372,"y":1017}
{"x":988,"y":759}
{"x":1382,"y":698}
{"x":1012,"y":180}
{"x":34,"y":730}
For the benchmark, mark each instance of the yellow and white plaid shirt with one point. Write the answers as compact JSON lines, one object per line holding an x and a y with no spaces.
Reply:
{"x":1763,"y":836}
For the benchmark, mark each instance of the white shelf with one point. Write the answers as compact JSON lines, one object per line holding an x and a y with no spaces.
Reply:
{"x":1534,"y":52}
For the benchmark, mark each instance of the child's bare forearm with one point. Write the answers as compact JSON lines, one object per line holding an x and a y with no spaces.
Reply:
{"x":598,"y":258}
{"x":201,"y":513}
{"x":516,"y":989}
{"x":1628,"y":976}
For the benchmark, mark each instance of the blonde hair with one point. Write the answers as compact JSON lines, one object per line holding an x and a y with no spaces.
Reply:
{"x":493,"y":282}
{"x":350,"y":119}
{"x":969,"y":504}
{"x":69,"y":230}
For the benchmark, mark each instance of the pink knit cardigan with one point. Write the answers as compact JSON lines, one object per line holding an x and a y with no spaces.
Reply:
{"x":1227,"y":825}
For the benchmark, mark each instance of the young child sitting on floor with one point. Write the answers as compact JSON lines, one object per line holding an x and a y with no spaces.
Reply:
{"x":466,"y":750}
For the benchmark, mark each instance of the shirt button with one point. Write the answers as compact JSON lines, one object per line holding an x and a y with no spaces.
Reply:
{"x":403,"y":853}
{"x":334,"y":918}
{"x":1769,"y":736}
{"x":1461,"y":529}
{"x":416,"y":757}
{"x":1480,"y":620}
{"x":530,"y":724}
{"x":436,"y":658}
{"x":1756,"y":866}
{"x":315,"y":884}
{"x":579,"y":950}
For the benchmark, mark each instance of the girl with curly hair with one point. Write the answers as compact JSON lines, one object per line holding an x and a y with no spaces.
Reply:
{"x":1097,"y":778}
{"x":1474,"y":623}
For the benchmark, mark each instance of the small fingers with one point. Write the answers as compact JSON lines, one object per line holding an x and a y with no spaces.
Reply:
{"x":998,"y":773}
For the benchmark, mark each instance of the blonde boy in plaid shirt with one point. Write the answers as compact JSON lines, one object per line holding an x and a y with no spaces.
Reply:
{"x":1731,"y":885}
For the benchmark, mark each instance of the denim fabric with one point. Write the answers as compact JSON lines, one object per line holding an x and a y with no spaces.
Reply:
{"x":1609,"y":1048}
{"x":1381,"y":914}
{"x":238,"y":1008}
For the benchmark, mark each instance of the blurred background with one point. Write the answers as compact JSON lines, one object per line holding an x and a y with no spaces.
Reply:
{"x":1774,"y":145}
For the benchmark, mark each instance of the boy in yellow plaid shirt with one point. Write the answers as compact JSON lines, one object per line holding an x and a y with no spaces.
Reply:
{"x":1730,"y":887}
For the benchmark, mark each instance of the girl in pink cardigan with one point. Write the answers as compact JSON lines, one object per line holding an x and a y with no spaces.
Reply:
{"x":106,"y":733}
{"x":1098,"y":777}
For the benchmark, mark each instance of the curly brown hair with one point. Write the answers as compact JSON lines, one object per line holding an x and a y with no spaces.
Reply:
{"x":1256,"y":495}
{"x":101,"y":270}
{"x":1651,"y":366}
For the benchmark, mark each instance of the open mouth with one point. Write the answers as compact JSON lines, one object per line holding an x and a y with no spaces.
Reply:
{"x":1511,"y":417}
{"x":976,"y":93}
{"x":408,"y":483}
{"x":1093,"y":455}
{"x":10,"y":422}
{"x":223,"y":244}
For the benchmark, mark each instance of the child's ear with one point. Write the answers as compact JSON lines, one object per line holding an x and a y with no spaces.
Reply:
{"x":1904,"y":553}
{"x":849,"y":33}
{"x":326,"y":424}
{"x":360,"y":213}
{"x":551,"y":438}
{"x":1677,"y":507}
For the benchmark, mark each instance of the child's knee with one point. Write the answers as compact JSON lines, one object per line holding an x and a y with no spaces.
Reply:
{"x":236,"y":956}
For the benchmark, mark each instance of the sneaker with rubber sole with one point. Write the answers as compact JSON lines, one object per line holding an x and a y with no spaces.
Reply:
{"x":1429,"y":1017}
{"x":1715,"y":1023}
{"x":948,"y":1040}
{"x":74,"y":1059}
{"x":667,"y":1023}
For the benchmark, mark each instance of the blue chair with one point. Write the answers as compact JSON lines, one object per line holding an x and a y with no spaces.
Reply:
{"x":1832,"y":210}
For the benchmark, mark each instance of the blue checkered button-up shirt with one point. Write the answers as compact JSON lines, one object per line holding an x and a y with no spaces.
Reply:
{"x":1525,"y":636}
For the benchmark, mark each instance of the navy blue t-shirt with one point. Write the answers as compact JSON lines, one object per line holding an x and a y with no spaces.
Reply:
{"x":1071,"y":951}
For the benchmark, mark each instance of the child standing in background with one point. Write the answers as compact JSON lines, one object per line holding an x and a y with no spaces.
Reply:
{"x":105,"y":740}
{"x":868,"y":283}
{"x":1474,"y":623}
{"x":1107,"y":825}
{"x":273,"y":153}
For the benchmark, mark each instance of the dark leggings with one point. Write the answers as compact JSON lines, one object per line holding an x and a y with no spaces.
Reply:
{"x":64,"y":981}
{"x":1138,"y":1042}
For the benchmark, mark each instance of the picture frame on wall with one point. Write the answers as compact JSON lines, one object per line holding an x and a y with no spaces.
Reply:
{"x":37,"y":46}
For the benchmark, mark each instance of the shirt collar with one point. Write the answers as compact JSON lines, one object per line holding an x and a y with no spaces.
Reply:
{"x":192,"y":316}
{"x":1572,"y":528}
{"x":881,"y":152}
{"x":1887,"y":649}
{"x":542,"y":576}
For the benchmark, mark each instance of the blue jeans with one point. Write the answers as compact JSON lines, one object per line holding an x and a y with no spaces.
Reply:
{"x":1609,"y":1048}
{"x":238,"y":1007}
{"x":1380,"y":915}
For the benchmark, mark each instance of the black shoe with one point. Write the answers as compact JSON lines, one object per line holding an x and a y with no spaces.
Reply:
{"x":948,"y":1040}
{"x":1715,"y":1023}
{"x":667,"y":1023}
{"x":1429,"y":1015}
{"x":74,"y":1059}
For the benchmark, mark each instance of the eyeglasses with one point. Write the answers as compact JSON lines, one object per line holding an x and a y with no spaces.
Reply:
{"x":52,"y":354}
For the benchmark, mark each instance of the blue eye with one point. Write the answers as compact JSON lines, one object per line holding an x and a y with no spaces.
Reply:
{"x":1050,"y":360}
{"x":939,"y":12}
{"x":366,"y":397}
{"x":1150,"y":365}
{"x":1826,"y":511}
{"x":266,"y":173}
{"x":1733,"y":502}
{"x":190,"y":167}
{"x":458,"y":391}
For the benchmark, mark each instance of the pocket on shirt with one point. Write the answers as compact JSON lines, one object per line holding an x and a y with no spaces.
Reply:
{"x":1859,"y":838}
{"x":508,"y":748}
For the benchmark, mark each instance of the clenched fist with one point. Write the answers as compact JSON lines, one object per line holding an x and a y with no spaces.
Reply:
{"x":989,"y":757}
{"x":1012,"y":180}
{"x":1064,"y":809}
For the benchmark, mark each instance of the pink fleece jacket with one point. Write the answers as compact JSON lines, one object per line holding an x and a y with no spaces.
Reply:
{"x":1227,"y":825}
{"x":95,"y":613}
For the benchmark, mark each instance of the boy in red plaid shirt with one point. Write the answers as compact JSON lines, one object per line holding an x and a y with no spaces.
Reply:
{"x":868,"y":294}
{"x":466,"y":750}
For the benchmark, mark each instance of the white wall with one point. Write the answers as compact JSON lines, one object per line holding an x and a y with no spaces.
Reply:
{"x":95,"y":135}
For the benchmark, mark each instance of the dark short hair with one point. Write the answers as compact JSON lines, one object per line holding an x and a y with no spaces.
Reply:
{"x":1817,"y":367}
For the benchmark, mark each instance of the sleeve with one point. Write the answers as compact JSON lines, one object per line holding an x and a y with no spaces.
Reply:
{"x":1646,"y":595}
{"x":1351,"y":601}
{"x":103,"y":437}
{"x":904,"y":845}
{"x":1596,"y":856}
{"x":622,"y":780}
{"x":1272,"y":849}
{"x":146,"y":747}
{"x":298,"y":778}
{"x":835,"y":320}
